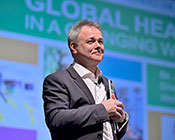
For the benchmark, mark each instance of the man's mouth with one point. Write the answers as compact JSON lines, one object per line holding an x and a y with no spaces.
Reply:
{"x":97,"y":51}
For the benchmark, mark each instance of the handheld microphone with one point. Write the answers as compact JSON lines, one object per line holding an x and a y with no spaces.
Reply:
{"x":99,"y":81}
{"x":115,"y":124}
{"x":111,"y":88}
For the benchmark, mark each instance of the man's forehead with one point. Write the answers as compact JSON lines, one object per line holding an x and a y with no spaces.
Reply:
{"x":90,"y":31}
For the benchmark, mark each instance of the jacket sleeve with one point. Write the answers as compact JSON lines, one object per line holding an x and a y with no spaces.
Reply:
{"x":58,"y":113}
{"x":122,"y":127}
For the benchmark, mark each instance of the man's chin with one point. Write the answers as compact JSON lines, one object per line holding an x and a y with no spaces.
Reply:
{"x":98,"y":55}
{"x":98,"y":59}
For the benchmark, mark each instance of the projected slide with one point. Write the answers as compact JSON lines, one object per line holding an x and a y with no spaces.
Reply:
{"x":168,"y":122}
{"x":161,"y":125}
{"x":55,"y":59}
{"x":18,"y":88}
{"x":139,"y":40}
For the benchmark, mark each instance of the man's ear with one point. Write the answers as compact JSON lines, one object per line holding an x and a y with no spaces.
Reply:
{"x":73,"y":46}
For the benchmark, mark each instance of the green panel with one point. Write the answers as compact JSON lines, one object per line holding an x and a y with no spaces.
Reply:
{"x":161,"y":86}
{"x":126,"y":30}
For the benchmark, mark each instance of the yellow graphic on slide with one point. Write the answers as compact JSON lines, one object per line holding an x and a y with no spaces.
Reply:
{"x":31,"y":112}
{"x":13,"y":103}
{"x":1,"y":117}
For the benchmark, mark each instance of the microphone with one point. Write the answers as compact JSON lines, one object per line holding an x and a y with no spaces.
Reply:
{"x":100,"y":80}
{"x":116,"y":127}
{"x":111,"y":88}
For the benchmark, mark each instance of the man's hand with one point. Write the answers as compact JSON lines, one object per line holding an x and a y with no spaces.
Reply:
{"x":114,"y":109}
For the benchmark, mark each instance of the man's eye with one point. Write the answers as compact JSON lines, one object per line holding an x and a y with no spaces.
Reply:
{"x":90,"y":42}
{"x":100,"y":42}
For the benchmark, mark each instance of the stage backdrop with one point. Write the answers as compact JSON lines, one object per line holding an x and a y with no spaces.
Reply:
{"x":139,"y":38}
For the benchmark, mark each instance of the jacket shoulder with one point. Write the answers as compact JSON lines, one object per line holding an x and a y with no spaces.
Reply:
{"x":59,"y":75}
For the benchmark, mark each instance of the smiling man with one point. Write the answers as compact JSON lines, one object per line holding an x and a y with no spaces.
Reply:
{"x":77,"y":101}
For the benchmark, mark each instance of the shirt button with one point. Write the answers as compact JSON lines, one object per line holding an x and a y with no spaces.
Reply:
{"x":99,"y":136}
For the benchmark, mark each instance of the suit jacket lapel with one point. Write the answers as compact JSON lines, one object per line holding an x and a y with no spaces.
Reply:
{"x":81,"y":84}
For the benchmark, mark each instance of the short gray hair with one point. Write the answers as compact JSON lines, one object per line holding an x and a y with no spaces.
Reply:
{"x":75,"y":29}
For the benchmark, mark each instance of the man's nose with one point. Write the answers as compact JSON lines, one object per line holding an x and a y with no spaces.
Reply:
{"x":97,"y":44}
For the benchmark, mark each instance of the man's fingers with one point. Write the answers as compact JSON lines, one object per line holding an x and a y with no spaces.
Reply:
{"x":120,"y":110}
{"x":113,"y":96}
{"x":116,"y":115}
{"x":120,"y":105}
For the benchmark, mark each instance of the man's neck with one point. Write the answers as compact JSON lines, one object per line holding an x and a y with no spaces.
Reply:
{"x":92,"y":68}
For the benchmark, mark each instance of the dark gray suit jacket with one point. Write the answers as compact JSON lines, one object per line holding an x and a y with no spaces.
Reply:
{"x":70,"y":110}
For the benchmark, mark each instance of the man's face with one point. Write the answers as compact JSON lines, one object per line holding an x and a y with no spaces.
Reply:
{"x":90,"y":48}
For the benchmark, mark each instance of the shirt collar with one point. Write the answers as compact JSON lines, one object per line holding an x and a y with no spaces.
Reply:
{"x":85,"y":73}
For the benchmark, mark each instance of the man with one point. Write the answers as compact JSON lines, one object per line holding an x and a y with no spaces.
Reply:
{"x":77,"y":103}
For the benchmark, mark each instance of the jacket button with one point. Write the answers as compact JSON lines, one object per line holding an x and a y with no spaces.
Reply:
{"x":99,"y":136}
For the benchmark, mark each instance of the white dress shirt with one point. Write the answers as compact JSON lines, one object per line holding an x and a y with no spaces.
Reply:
{"x":98,"y":93}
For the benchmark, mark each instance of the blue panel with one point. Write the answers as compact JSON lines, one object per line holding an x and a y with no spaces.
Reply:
{"x":119,"y":68}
